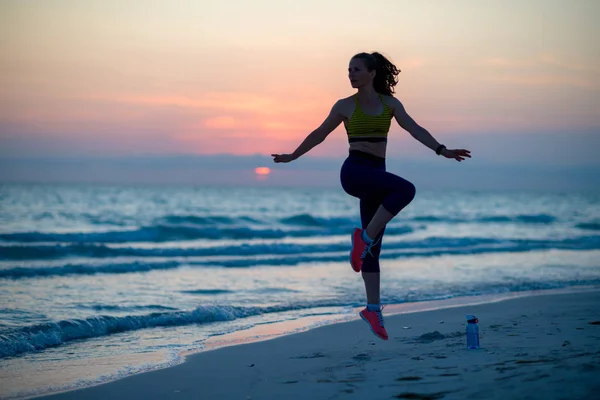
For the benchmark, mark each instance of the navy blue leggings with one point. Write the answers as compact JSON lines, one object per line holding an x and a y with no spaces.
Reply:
{"x":364,"y":176}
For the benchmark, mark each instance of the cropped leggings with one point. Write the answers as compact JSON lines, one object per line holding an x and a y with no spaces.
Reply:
{"x":364,"y":176}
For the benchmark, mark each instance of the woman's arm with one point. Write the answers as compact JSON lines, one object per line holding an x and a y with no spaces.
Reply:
{"x":422,"y":135}
{"x":409,"y":124}
{"x":333,"y":120}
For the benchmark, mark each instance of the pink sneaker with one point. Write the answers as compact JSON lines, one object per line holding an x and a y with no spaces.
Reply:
{"x":375,"y":321}
{"x":358,"y":246}
{"x":359,"y":249}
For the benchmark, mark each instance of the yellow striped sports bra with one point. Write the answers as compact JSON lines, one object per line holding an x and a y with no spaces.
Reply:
{"x":369,"y":128}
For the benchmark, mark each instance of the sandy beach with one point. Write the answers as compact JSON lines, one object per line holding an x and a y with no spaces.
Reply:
{"x":537,"y":347}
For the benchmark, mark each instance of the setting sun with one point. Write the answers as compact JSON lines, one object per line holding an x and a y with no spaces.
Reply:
{"x":262,"y":170}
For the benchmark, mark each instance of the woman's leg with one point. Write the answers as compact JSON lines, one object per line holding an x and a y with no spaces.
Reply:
{"x":371,"y":274}
{"x":382,"y":195}
{"x":372,"y":287}
{"x":378,"y":222}
{"x":370,"y":267}
{"x":391,"y":193}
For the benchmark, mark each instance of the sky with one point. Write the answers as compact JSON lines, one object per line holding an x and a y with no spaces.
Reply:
{"x":516,"y":82}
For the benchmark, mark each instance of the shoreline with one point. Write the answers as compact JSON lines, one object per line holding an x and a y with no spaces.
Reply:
{"x":280,"y":331}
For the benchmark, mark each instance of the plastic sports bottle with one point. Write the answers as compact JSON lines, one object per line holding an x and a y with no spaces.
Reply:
{"x":472,"y":332}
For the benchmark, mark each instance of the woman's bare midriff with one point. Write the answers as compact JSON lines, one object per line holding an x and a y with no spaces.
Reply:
{"x":376,"y":149}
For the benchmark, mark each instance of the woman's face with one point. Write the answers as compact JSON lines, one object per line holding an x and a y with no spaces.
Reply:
{"x":358,"y":73}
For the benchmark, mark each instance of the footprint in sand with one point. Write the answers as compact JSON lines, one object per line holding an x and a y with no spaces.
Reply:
{"x":353,"y":379}
{"x":362,"y":357}
{"x":409,"y":378}
{"x":535,"y":378}
{"x":435,"y":335}
{"x":534,"y":361}
{"x":314,"y":355}
{"x":430,"y":337}
{"x":503,"y":378}
{"x":502,"y":369}
{"x":419,"y":396}
{"x":587,"y":367}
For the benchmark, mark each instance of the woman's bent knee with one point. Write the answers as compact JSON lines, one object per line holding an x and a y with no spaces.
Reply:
{"x":400,"y":198}
{"x":411,"y":192}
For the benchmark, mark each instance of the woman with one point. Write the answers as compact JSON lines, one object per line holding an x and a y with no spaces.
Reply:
{"x":367,"y":117}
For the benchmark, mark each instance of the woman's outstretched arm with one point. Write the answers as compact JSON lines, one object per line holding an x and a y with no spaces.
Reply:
{"x":333,"y":120}
{"x":422,"y":135}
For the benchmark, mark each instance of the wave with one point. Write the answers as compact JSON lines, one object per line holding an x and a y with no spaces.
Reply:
{"x":282,"y":254}
{"x":308,"y":220}
{"x":302,"y":220}
{"x":526,"y":219}
{"x":206,"y":291}
{"x":48,"y":252}
{"x":160,"y":234}
{"x":399,"y":252}
{"x":536,"y":219}
{"x":217,"y":227}
{"x":311,"y":221}
{"x":85,"y":269}
{"x":118,"y":308}
{"x":213,"y":220}
{"x":45,"y":335}
{"x":521,"y":218}
{"x":100,"y":251}
{"x":591,"y":226}
{"x":41,"y":336}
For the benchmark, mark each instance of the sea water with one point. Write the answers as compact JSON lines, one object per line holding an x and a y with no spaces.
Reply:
{"x":99,"y":282}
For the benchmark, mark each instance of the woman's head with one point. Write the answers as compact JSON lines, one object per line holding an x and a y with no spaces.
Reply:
{"x":375,"y":69}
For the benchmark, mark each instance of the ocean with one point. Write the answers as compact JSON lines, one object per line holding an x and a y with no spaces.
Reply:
{"x":99,"y":282}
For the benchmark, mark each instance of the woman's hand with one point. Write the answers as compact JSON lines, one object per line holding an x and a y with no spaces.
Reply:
{"x":457,"y":154}
{"x":283,"y":158}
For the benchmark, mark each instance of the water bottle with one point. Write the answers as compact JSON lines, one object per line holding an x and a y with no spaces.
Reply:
{"x":472,"y":332}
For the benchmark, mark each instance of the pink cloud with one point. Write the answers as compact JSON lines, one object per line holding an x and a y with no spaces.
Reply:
{"x":506,"y":62}
{"x":221,"y":122}
{"x":263,"y":104}
{"x":548,"y":80}
{"x":542,"y":70}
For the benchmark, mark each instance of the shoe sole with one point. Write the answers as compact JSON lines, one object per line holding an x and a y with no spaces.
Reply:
{"x":351,"y":263}
{"x":370,"y":327}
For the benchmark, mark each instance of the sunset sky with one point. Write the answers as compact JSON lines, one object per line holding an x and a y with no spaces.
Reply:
{"x":112,"y":77}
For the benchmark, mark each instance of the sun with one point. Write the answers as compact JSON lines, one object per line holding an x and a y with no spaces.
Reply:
{"x":262,"y":171}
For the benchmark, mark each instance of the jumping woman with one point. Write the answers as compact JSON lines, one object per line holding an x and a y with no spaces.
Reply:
{"x":367,"y":118}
